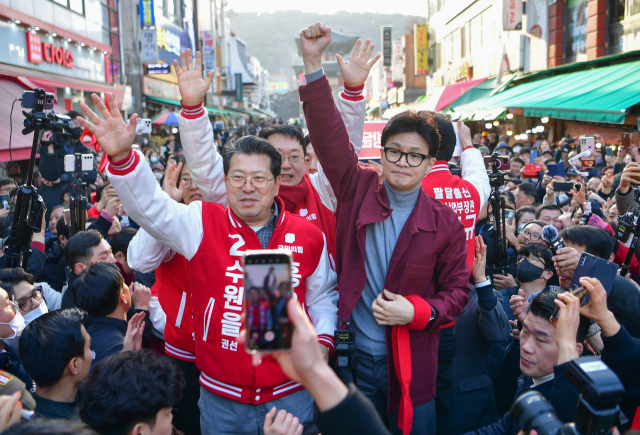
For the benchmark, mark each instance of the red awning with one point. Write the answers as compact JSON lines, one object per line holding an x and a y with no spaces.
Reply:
{"x":454,"y":91}
{"x":52,"y":84}
{"x":20,"y":144}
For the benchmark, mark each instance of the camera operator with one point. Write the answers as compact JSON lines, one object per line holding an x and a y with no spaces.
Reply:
{"x":621,"y":351}
{"x":625,"y":198}
{"x":545,"y":348}
{"x":55,"y":146}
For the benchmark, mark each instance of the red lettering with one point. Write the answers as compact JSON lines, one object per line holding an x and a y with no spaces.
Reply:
{"x":46,"y":50}
{"x":68,"y":60}
{"x":59,"y":55}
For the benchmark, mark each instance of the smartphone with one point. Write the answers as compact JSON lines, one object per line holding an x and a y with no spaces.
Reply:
{"x":503,"y":163}
{"x":534,"y":155}
{"x":457,"y":151}
{"x":557,"y":169}
{"x":267,"y":284}
{"x":143,"y":126}
{"x":609,"y":152}
{"x":531,"y":170}
{"x":85,"y":162}
{"x":594,"y":267}
{"x":30,"y":100}
{"x":6,"y":201}
{"x":559,"y":186}
{"x":67,"y":216}
{"x":509,"y":215}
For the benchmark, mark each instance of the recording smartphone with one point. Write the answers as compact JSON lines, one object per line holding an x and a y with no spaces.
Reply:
{"x":509,"y":215}
{"x":85,"y":162}
{"x":67,"y":216}
{"x":143,"y":126}
{"x":609,"y":152}
{"x":534,"y":155}
{"x":588,"y":143}
{"x":267,"y":283}
{"x":457,"y":152}
{"x":531,"y":170}
{"x":560,"y":186}
{"x":594,"y":267}
{"x":503,"y":163}
{"x":30,"y":100}
{"x":557,"y":169}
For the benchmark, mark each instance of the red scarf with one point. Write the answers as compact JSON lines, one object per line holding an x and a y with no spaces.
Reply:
{"x":401,"y":342}
{"x":303,"y":200}
{"x":128,"y":279}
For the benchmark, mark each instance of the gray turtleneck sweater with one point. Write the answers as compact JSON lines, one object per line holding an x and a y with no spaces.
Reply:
{"x":380,"y":243}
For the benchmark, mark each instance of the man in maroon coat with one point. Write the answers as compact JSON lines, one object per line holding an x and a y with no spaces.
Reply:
{"x":400,"y":253}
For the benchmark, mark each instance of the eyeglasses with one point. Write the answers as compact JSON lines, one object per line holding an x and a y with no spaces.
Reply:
{"x":394,"y":155}
{"x":27,"y":303}
{"x":294,"y":159}
{"x":524,"y":257}
{"x":258,"y":182}
{"x":532,"y":236}
{"x":187,"y":182}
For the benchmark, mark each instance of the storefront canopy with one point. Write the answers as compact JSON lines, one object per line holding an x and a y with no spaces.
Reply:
{"x":482,"y":90}
{"x":598,"y":95}
{"x":446,"y":95}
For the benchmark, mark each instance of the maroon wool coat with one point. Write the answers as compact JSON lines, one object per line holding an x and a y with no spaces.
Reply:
{"x":429,"y":259}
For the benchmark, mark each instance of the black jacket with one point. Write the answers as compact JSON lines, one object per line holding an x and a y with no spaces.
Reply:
{"x":51,"y":273}
{"x":34,"y":265}
{"x":355,"y":415}
{"x":107,"y":335}
{"x":622,"y":353}
{"x":624,"y":302}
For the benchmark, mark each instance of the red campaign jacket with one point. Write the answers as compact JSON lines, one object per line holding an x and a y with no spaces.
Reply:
{"x":428,"y":260}
{"x":174,"y":294}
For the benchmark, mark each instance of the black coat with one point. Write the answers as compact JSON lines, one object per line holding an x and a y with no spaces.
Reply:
{"x":621,"y":353}
{"x":355,"y":415}
{"x":107,"y":336}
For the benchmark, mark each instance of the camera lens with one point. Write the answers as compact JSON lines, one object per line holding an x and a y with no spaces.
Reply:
{"x":532,"y":411}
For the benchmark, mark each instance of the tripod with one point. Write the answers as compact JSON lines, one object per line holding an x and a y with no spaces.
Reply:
{"x":496,"y":180}
{"x":78,"y":201}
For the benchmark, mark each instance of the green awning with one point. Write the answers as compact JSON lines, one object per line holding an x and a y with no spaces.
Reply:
{"x":267,"y":112}
{"x":420,"y":98}
{"x":598,"y":95}
{"x":164,"y":100}
{"x":247,"y":112}
{"x":483,"y":90}
{"x":215,"y":111}
{"x":371,"y":109}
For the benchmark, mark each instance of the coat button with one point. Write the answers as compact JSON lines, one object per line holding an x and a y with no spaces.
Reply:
{"x":257,"y":398}
{"x":384,"y":213}
{"x":258,"y":390}
{"x":355,"y":291}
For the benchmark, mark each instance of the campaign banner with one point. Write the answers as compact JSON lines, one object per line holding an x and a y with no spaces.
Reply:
{"x":371,"y":137}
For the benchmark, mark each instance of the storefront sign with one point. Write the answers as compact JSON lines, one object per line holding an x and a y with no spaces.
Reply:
{"x":238,"y":77}
{"x":147,"y":16}
{"x":209,"y":63}
{"x":168,"y":40}
{"x":512,"y":15}
{"x":421,"y":49}
{"x":387,"y":49}
{"x":576,"y":31}
{"x":161,"y":89}
{"x":438,"y":81}
{"x":149,"y":45}
{"x":157,"y":68}
{"x":207,"y":42}
{"x":536,"y":48}
{"x":459,"y":72}
{"x":48,"y":54}
{"x":371,"y":137}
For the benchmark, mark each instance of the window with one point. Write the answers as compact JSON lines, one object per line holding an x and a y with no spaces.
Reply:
{"x":617,"y":10}
{"x":476,"y":31}
{"x":75,"y":5}
{"x":634,"y":7}
{"x":576,"y":33}
{"x":111,"y":36}
{"x":457,"y":45}
{"x":463,"y":38}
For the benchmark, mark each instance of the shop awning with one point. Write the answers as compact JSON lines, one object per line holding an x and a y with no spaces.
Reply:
{"x":598,"y":95}
{"x":164,"y":100}
{"x":20,"y":144}
{"x":482,"y":90}
{"x":268,"y":113}
{"x":390,"y":113}
{"x":446,"y":95}
{"x":51,"y":85}
{"x":249,"y":112}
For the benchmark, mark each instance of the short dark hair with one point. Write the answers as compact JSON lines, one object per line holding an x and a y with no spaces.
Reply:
{"x":252,"y":145}
{"x":97,"y":289}
{"x":120,"y":242}
{"x":538,"y":250}
{"x":447,"y":136}
{"x":48,"y":344}
{"x":525,"y":150}
{"x":128,"y":388}
{"x":529,"y":190}
{"x":423,"y":123}
{"x":544,"y":207}
{"x":517,"y":160}
{"x":45,"y":426}
{"x":523,"y":210}
{"x":55,"y":207}
{"x":11,"y":277}
{"x":79,"y":248}
{"x":543,"y":306}
{"x":596,"y":241}
{"x":286,"y":130}
{"x":6,"y":181}
{"x":307,"y":141}
{"x":539,"y":223}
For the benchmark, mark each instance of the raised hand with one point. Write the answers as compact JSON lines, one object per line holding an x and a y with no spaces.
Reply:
{"x":133,"y":337}
{"x":313,"y":41}
{"x":355,"y":72}
{"x":192,"y":86}
{"x":113,"y":134}
{"x":171,"y":185}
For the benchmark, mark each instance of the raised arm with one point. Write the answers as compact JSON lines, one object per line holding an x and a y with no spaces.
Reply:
{"x":196,"y":134}
{"x":473,"y":169}
{"x":176,"y":226}
{"x":145,"y":254}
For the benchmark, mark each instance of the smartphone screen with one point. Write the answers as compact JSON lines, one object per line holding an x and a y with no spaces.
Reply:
{"x":267,"y":283}
{"x":6,"y":201}
{"x":609,"y":152}
{"x":67,"y":216}
{"x":509,"y":215}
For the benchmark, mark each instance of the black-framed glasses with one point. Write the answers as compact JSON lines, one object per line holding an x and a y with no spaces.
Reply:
{"x":533,"y":236}
{"x":27,"y":303}
{"x":258,"y":182}
{"x":187,"y":182}
{"x":524,"y":257}
{"x":394,"y":155}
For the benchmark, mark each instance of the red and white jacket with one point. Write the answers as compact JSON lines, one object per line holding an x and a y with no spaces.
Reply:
{"x":213,"y":239}
{"x":196,"y":136}
{"x":466,"y":196}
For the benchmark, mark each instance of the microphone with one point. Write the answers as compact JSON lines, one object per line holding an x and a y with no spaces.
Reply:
{"x":551,"y":236}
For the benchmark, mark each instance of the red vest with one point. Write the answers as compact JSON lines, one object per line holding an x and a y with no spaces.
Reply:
{"x":217,"y":284}
{"x":458,"y":194}
{"x":174,"y":294}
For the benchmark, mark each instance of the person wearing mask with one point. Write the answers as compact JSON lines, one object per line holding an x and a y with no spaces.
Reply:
{"x":55,"y":351}
{"x":81,"y":251}
{"x":213,"y":239}
{"x":33,"y":301}
{"x":102,"y":293}
{"x":388,"y":296}
{"x":531,"y":233}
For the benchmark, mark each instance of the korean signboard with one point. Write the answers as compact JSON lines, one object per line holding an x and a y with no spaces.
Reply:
{"x":147,"y":17}
{"x":421,"y":49}
{"x":207,"y":42}
{"x":512,"y":15}
{"x":371,"y":137}
{"x":160,"y":89}
{"x":238,"y":78}
{"x":387,"y":48}
{"x":149,"y":45}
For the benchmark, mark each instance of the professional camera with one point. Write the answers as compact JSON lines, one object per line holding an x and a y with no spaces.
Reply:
{"x":598,"y":411}
{"x":345,"y":346}
{"x":628,"y":226}
{"x":63,"y":131}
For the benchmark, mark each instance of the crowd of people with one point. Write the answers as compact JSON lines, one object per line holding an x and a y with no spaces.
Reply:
{"x":404,"y":320}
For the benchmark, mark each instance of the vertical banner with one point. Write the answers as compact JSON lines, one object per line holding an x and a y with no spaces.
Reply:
{"x":209,"y":64}
{"x":421,"y":49}
{"x":238,"y":77}
{"x":512,"y":15}
{"x":149,"y":45}
{"x":147,"y":17}
{"x":387,"y":48}
{"x":207,"y":42}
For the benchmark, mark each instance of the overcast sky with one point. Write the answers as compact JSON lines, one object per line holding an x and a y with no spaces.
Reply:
{"x":406,"y":7}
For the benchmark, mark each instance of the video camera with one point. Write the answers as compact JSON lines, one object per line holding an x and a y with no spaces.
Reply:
{"x":499,"y":166}
{"x":628,"y":234}
{"x":62,"y":129}
{"x":597,"y":412}
{"x":345,"y":348}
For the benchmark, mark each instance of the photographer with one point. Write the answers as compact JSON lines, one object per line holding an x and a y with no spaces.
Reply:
{"x":625,"y":198}
{"x":54,"y":178}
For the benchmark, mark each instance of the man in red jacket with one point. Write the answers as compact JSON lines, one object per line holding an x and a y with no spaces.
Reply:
{"x":234,"y":393}
{"x":400,"y":253}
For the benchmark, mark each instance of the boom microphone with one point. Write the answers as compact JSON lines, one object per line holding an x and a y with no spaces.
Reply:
{"x":550,"y":235}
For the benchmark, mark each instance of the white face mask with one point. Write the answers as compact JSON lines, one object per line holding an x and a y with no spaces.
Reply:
{"x":34,"y":314}
{"x":158,"y":175}
{"x":17,"y":325}
{"x":153,"y":159}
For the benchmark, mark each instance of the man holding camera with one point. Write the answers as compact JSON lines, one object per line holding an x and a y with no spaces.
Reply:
{"x":56,"y":145}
